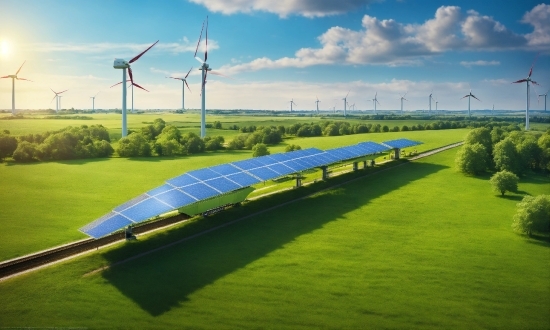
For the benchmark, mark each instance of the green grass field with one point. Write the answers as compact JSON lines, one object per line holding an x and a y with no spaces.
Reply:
{"x":418,"y":246}
{"x":44,"y":204}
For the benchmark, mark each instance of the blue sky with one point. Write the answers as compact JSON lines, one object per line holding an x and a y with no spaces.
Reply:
{"x":276,"y":51}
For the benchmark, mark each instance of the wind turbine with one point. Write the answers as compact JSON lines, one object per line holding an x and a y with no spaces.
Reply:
{"x":469,"y":96}
{"x":205,"y":69}
{"x":317,"y":102}
{"x":430,"y":101}
{"x":56,"y":97}
{"x":546,"y":94}
{"x":13,"y":78}
{"x":436,"y":102}
{"x":403,"y":98}
{"x":291,"y":103}
{"x":345,"y":102}
{"x":93,"y":101}
{"x":374,"y":101}
{"x":122,"y":64}
{"x":184,"y":83}
{"x":527,"y":80}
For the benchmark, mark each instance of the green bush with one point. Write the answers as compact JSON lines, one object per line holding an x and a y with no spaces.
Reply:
{"x":532,"y":215}
{"x":504,"y":181}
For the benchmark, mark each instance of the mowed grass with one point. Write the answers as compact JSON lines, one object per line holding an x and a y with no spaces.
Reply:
{"x":419,"y":246}
{"x":44,"y":204}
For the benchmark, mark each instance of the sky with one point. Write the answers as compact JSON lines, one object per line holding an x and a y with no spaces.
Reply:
{"x":273,"y":52}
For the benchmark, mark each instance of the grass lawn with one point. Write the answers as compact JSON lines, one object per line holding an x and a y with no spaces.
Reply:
{"x":419,"y":246}
{"x":44,"y":204}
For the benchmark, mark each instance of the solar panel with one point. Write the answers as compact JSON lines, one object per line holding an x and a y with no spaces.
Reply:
{"x":146,"y":209}
{"x":243,"y":179}
{"x":159,"y":190}
{"x":131,"y":202}
{"x":297,"y":167}
{"x":281,"y":157}
{"x":182,"y":180}
{"x":264,"y":173}
{"x":222,"y":184}
{"x":401,"y":143}
{"x":225,"y":169}
{"x":281,"y":169}
{"x":247,"y":164}
{"x":204,"y":174}
{"x":175,"y":198}
{"x":266,"y":160}
{"x":200,"y":191}
{"x":105,"y":225}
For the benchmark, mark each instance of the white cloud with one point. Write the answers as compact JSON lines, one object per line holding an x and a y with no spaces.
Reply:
{"x":392,"y":43}
{"x":284,"y":8}
{"x":478,"y":63}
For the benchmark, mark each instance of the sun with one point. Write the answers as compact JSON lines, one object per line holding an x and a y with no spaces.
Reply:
{"x":5,"y":48}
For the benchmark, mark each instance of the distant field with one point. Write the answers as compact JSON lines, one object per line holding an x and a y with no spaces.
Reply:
{"x":419,"y":246}
{"x":44,"y":204}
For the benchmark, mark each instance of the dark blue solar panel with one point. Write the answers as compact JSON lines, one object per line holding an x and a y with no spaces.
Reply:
{"x":401,"y":143}
{"x":297,"y":167}
{"x":159,"y":190}
{"x":146,"y":209}
{"x":316,"y":160}
{"x":182,"y":180}
{"x":200,"y":191}
{"x":281,"y":157}
{"x":281,"y":169}
{"x":264,"y":173}
{"x":225,"y":169}
{"x":330,"y":157}
{"x":204,"y":174}
{"x":247,"y":164}
{"x":336,"y":154}
{"x":175,"y":198}
{"x":375,"y":147}
{"x":307,"y":165}
{"x":222,"y":184}
{"x":131,"y":202}
{"x":244,"y":179}
{"x":106,"y":225}
{"x":266,"y":160}
{"x":312,"y":151}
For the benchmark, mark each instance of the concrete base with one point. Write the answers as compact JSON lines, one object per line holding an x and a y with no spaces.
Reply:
{"x":397,"y":153}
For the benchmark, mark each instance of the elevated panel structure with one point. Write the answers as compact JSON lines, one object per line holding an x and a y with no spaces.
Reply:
{"x":198,"y":190}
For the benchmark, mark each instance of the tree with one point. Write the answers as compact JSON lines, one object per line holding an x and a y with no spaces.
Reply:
{"x":259,"y":149}
{"x":481,"y":135}
{"x":532,"y":214}
{"x":504,"y":181}
{"x":544,"y":145}
{"x":292,"y":147}
{"x":472,"y":158}
{"x":26,"y":152}
{"x":133,"y":145}
{"x":8,"y":144}
{"x":506,"y":156}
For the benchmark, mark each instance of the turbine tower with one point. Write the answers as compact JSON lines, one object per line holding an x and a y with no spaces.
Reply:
{"x":430,"y":101}
{"x":317,"y":102}
{"x":56,"y":97}
{"x":545,"y":94}
{"x":527,"y":80}
{"x":469,"y":96}
{"x":345,"y":99}
{"x":93,"y":101}
{"x":122,"y":64}
{"x":59,"y":100}
{"x":13,"y":78}
{"x":436,"y":102}
{"x":375,"y":100}
{"x":403,"y":98}
{"x":291,"y":103}
{"x":183,"y":84}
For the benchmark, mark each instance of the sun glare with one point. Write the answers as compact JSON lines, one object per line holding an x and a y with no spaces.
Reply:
{"x":5,"y":48}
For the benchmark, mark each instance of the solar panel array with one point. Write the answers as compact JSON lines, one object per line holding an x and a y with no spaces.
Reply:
{"x":401,"y":143}
{"x":206,"y":183}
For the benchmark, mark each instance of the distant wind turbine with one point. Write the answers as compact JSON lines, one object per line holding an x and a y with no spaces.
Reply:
{"x":317,"y":102}
{"x":545,"y":94}
{"x":375,"y":100}
{"x":291,"y":103}
{"x":56,"y":97}
{"x":527,"y":80}
{"x":345,"y":99}
{"x":13,"y":78}
{"x":122,"y":64}
{"x":183,"y":84}
{"x":93,"y":101}
{"x":403,"y":98}
{"x":469,"y":96}
{"x":430,"y":101}
{"x":436,"y":102}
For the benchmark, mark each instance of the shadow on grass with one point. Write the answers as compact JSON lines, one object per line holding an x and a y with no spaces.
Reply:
{"x":511,"y":197}
{"x":65,"y":162}
{"x":163,"y":279}
{"x":539,"y":239}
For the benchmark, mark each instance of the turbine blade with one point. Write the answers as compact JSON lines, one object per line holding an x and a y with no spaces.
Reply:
{"x":53,"y":98}
{"x":347,"y":94}
{"x":476,"y":98}
{"x":20,"y":68}
{"x":24,"y":79}
{"x":199,"y":59}
{"x":175,"y":78}
{"x":465,"y":96}
{"x":519,"y":81}
{"x":206,"y":41}
{"x":114,"y":85}
{"x":188,"y":73}
{"x":535,"y":61}
{"x":4,"y":77}
{"x":143,"y":52}
{"x":187,"y":86}
{"x":138,"y":86}
{"x":405,"y":99}
{"x":62,"y":91}
{"x":534,"y":82}
{"x":131,"y":75}
{"x":198,"y":42}
{"x":220,"y":74}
